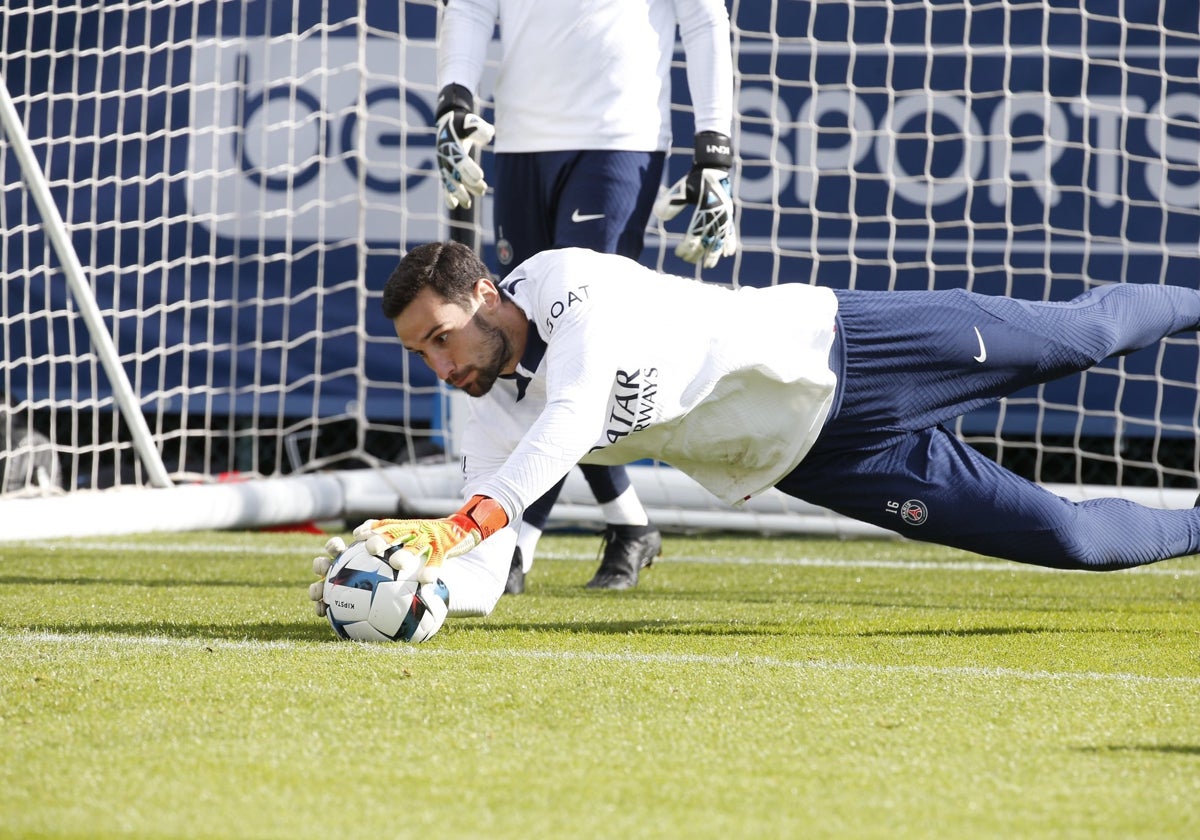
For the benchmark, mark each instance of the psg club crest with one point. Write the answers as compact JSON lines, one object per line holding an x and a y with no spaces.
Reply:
{"x":914,"y":512}
{"x":504,"y":251}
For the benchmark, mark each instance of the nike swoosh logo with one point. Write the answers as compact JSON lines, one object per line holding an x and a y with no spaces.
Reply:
{"x":580,"y":217}
{"x":982,"y":357}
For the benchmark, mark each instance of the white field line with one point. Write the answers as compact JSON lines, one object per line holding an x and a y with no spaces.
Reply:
{"x":101,"y":641}
{"x":304,"y":554}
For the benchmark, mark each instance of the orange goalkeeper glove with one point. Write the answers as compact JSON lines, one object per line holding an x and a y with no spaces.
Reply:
{"x":419,"y":547}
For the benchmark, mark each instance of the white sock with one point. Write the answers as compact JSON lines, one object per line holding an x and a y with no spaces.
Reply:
{"x":527,"y":540}
{"x":626,"y":509}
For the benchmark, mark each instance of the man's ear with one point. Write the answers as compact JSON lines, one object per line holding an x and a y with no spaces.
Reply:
{"x":487,"y":293}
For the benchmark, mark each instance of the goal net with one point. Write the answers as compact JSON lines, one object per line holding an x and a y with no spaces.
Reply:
{"x":200,"y":203}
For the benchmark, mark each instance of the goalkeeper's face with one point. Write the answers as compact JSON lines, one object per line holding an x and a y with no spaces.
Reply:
{"x":465,"y":345}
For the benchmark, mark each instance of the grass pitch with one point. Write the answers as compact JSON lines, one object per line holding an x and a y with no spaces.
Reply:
{"x":180,"y":686}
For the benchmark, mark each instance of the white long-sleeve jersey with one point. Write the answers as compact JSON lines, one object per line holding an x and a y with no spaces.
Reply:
{"x":729,"y":386}
{"x":590,"y":74}
{"x":622,"y":363}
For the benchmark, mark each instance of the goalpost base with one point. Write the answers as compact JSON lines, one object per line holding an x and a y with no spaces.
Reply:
{"x":674,"y":502}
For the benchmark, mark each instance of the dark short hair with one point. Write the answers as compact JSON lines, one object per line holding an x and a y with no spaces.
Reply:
{"x":449,"y":268}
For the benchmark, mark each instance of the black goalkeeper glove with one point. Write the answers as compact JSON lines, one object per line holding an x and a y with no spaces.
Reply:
{"x":460,"y":132}
{"x":710,"y":234}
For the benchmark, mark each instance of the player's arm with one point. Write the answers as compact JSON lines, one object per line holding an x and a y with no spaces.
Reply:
{"x":581,"y":362}
{"x":704,"y":30}
{"x":711,"y":233}
{"x":463,"y":36}
{"x":464,"y":32}
{"x":505,"y":474}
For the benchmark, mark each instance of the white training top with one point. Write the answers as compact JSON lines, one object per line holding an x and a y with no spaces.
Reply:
{"x":729,"y":386}
{"x":590,"y":74}
{"x":622,"y":363}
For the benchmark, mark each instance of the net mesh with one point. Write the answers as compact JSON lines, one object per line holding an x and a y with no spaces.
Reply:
{"x":238,"y":180}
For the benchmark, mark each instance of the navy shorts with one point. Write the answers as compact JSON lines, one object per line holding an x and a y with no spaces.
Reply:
{"x":579,"y":199}
{"x":913,"y":361}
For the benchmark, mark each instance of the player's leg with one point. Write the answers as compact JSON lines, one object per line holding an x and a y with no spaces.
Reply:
{"x":915,"y":359}
{"x":630,"y":541}
{"x":602,"y":201}
{"x":930,"y":486}
{"x":522,"y":210}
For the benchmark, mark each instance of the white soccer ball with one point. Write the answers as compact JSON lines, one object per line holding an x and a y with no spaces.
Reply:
{"x":366,"y":602}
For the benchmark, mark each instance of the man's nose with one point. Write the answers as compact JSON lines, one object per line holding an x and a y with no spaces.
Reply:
{"x":442,"y":365}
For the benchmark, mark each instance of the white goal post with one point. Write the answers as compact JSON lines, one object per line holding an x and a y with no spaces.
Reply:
{"x":200,"y":203}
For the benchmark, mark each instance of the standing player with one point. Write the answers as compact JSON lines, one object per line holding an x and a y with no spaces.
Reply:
{"x":836,"y":397}
{"x":582,"y":110}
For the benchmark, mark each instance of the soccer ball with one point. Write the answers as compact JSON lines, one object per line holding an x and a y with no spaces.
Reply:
{"x":366,"y":602}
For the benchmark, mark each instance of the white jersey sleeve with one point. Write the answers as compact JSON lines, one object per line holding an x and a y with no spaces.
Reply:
{"x":704,"y":30}
{"x":464,"y":33}
{"x":525,"y":435}
{"x":476,"y":579}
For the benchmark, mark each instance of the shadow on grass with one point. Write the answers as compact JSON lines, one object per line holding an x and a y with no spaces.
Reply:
{"x":628,"y":627}
{"x":146,"y":583}
{"x":968,"y":632}
{"x":718,"y":629}
{"x":817,"y":598}
{"x":319,"y":631}
{"x":1161,"y":749}
{"x":314,"y":631}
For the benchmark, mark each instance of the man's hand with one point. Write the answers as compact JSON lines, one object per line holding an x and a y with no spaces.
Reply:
{"x":460,"y":132}
{"x":321,"y":565}
{"x":418,"y":547}
{"x":711,"y":233}
{"x":422,"y":544}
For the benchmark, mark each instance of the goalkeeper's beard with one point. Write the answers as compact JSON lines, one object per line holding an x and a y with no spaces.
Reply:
{"x":496,"y":350}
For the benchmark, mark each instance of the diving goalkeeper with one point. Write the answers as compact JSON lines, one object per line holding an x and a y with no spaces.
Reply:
{"x":835,"y":397}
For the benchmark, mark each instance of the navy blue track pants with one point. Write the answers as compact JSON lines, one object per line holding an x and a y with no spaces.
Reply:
{"x":914,"y":361}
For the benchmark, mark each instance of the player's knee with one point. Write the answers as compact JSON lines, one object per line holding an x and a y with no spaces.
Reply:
{"x":1076,"y":548}
{"x":1073,"y":554}
{"x":1064,"y":545}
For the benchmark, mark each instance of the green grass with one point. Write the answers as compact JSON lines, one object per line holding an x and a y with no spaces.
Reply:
{"x":180,"y":686}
